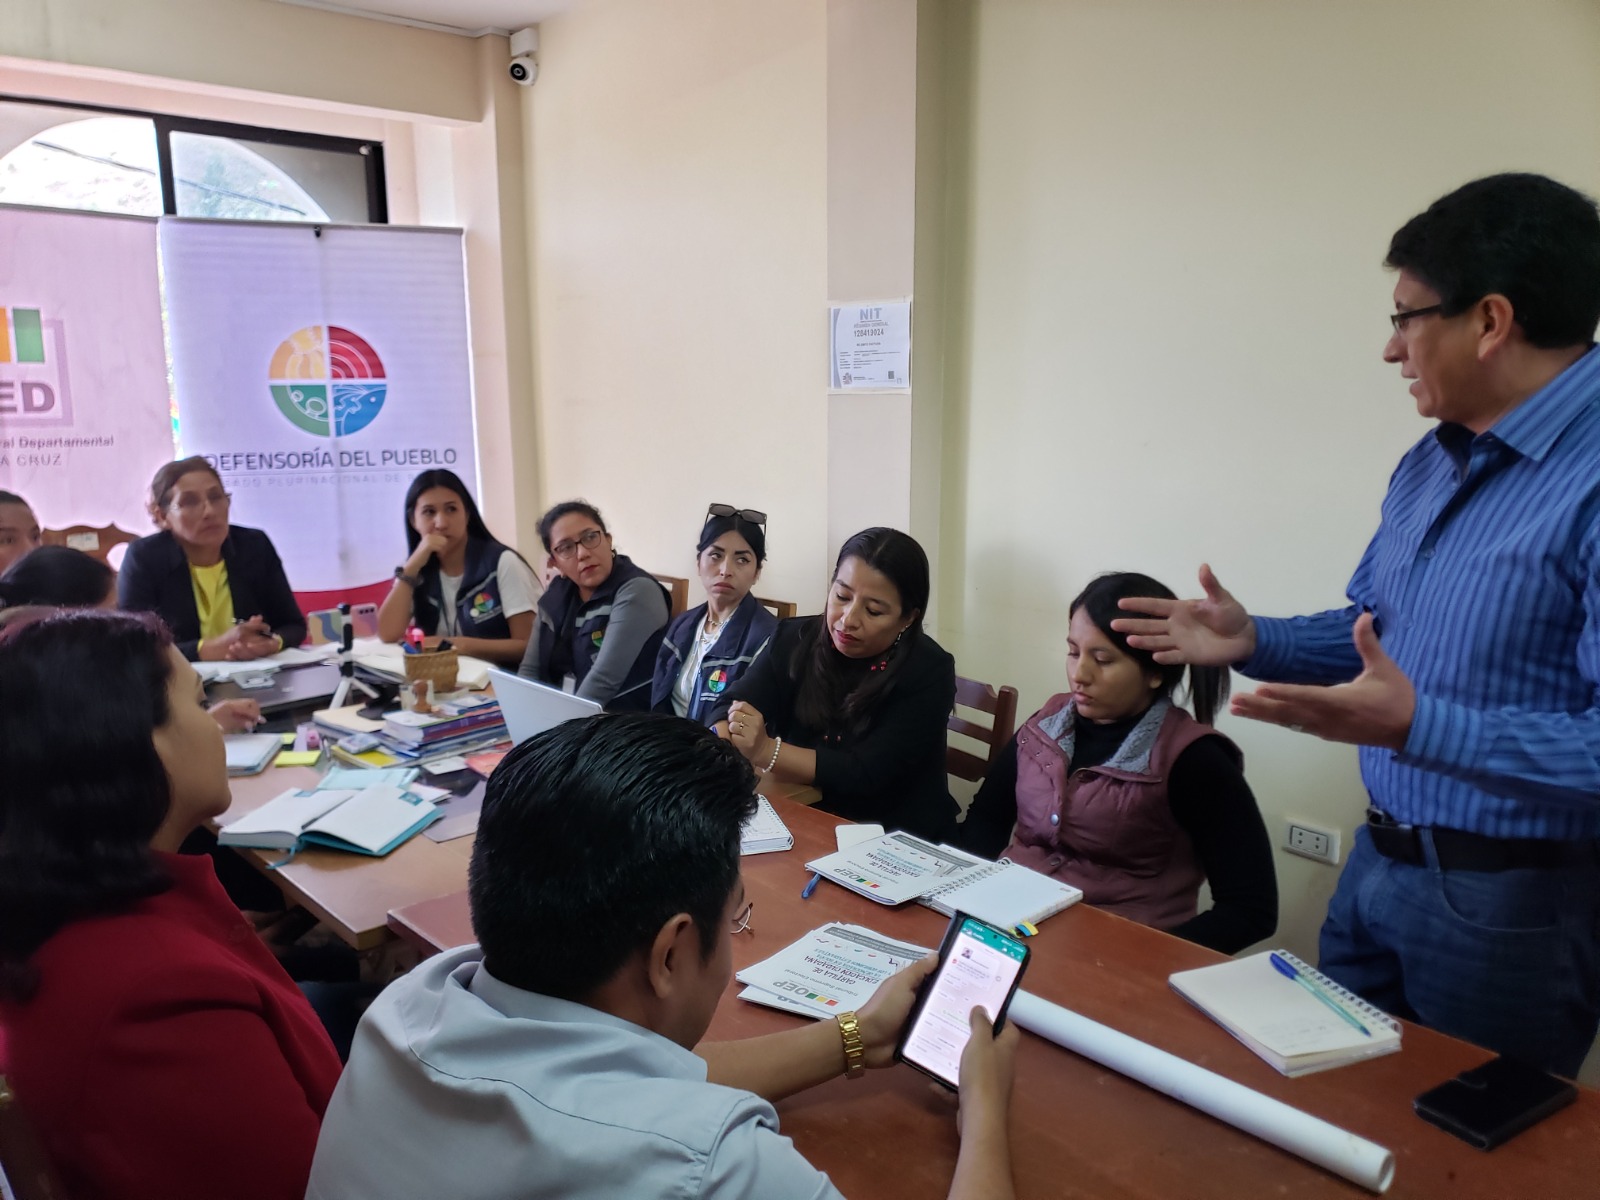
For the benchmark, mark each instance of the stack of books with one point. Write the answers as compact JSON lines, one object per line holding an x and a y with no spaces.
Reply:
{"x":449,"y":721}
{"x":336,"y":724}
{"x":454,"y":728}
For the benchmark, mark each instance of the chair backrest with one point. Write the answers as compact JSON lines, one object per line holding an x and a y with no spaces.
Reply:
{"x":96,"y":542}
{"x":680,"y":593}
{"x":22,"y":1158}
{"x":782,"y":608}
{"x":1002,"y":707}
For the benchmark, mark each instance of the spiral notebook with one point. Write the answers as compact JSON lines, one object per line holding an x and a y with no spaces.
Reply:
{"x":764,"y":832}
{"x":1285,"y":1023}
{"x":1003,"y":894}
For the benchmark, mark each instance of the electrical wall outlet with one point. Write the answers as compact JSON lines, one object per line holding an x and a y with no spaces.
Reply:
{"x":1312,"y":841}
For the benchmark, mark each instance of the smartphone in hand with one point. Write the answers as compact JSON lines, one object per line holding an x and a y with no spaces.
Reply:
{"x":979,"y":967}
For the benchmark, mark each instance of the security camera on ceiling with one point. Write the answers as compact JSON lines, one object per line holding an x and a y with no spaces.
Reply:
{"x":524,"y":68}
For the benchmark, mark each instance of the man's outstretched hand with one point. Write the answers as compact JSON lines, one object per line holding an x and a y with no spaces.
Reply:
{"x":1374,"y":709}
{"x":1213,"y":632}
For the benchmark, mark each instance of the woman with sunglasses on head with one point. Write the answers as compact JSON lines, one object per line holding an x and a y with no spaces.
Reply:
{"x":1114,"y":789}
{"x":459,"y":582}
{"x":601,"y":617}
{"x":854,"y":701}
{"x":219,"y":587}
{"x":708,"y":648}
{"x":155,"y":1043}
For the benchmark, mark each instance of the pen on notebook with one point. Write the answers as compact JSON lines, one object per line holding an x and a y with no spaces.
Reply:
{"x":811,"y":885}
{"x":1287,"y":969}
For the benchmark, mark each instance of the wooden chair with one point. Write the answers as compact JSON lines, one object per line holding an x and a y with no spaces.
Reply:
{"x":680,"y":593}
{"x":1001,"y":705}
{"x":95,"y":542}
{"x":22,"y":1158}
{"x":679,"y":588}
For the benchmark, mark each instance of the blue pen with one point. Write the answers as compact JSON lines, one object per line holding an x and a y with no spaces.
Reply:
{"x":812,"y":886}
{"x":1287,"y":970}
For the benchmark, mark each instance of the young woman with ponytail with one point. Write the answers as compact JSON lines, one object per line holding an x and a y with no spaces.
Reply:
{"x":1113,"y":788}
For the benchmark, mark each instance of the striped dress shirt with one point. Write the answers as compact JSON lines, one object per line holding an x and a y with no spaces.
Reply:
{"x":1484,"y":581}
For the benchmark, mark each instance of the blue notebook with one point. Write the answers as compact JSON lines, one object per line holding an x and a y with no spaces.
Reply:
{"x":372,"y":821}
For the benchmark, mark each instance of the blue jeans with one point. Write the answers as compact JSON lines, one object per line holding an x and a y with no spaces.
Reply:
{"x":1509,"y":960}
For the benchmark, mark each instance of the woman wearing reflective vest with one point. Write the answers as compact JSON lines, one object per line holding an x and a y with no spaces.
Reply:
{"x":709,"y":647}
{"x":459,"y":583}
{"x":601,"y":619}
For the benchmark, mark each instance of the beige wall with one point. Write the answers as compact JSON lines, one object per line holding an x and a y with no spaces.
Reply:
{"x":677,"y":157}
{"x":450,"y":121}
{"x":306,"y":56}
{"x":1167,"y":305}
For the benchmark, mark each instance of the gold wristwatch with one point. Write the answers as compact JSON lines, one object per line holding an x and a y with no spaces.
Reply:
{"x":855,"y":1050}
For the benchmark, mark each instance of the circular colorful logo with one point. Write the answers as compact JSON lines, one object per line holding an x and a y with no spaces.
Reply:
{"x":327,"y":380}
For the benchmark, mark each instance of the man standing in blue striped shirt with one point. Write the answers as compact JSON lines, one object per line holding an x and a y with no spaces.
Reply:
{"x":1467,"y":664}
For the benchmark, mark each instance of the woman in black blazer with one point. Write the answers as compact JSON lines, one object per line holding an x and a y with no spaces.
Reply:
{"x":854,"y":701}
{"x":219,"y":587}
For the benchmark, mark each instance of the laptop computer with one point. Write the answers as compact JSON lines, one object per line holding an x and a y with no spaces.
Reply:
{"x":305,"y":688}
{"x":531,"y":708}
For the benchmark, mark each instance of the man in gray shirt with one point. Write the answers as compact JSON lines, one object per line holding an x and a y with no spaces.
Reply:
{"x":555,"y":1059}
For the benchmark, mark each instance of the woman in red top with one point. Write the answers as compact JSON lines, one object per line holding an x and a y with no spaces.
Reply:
{"x":157,"y":1046}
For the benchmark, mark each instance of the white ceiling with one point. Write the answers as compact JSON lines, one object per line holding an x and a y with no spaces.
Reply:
{"x":470,"y":17}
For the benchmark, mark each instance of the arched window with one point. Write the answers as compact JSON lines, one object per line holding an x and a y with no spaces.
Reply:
{"x":103,"y":164}
{"x":57,"y":157}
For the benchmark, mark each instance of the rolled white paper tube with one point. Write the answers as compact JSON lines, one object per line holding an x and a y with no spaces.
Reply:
{"x":1340,"y":1151}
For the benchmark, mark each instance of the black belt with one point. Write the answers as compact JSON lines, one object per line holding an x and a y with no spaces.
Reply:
{"x":1458,"y":850}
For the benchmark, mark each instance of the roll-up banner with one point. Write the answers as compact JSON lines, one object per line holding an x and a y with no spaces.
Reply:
{"x":320,"y":369}
{"x":85,"y":414}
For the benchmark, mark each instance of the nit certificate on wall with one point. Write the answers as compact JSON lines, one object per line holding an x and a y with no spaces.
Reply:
{"x":870,"y":346}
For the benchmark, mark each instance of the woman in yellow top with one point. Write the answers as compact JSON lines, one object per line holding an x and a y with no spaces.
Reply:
{"x":219,"y":587}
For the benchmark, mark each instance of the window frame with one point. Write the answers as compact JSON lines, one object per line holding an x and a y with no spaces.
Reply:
{"x":165,"y":125}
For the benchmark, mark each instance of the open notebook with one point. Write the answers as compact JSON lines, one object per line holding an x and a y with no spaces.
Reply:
{"x":898,"y":867}
{"x":372,"y":821}
{"x":1283,"y":1021}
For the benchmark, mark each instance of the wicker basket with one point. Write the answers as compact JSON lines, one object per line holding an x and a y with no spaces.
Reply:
{"x":437,"y":666}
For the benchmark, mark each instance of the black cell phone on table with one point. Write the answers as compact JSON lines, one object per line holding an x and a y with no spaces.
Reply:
{"x":979,"y":966}
{"x":1493,"y":1103}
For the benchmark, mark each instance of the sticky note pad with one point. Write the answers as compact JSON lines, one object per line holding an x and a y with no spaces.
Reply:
{"x":299,"y":758}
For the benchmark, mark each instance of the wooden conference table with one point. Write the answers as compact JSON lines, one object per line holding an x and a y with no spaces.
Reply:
{"x":1079,"y":1129}
{"x":350,"y":893}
